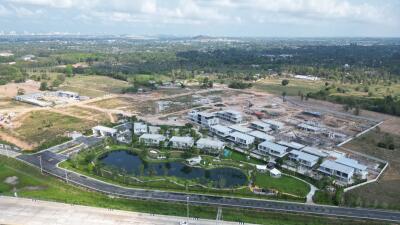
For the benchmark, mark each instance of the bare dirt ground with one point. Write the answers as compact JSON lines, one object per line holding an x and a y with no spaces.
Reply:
{"x":11,"y":89}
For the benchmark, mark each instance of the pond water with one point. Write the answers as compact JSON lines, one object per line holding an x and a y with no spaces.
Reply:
{"x":133,"y":164}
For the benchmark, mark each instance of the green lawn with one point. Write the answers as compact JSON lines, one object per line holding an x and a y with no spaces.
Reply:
{"x":274,"y":86}
{"x":240,"y":157}
{"x":284,"y":184}
{"x":32,"y":184}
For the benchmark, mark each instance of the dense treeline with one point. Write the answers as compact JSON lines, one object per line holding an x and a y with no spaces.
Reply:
{"x":10,"y":73}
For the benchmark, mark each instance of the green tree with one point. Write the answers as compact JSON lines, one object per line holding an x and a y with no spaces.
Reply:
{"x":43,"y":86}
{"x":285,"y":82}
{"x":69,"y":70}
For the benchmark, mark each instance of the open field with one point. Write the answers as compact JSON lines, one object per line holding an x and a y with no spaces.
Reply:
{"x":385,"y":193}
{"x":10,"y":90}
{"x":32,"y":184}
{"x":284,"y":184}
{"x":93,"y":86}
{"x":274,"y":86}
{"x":39,"y":127}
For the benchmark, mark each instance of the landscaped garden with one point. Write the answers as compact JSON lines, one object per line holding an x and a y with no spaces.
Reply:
{"x":167,"y":169}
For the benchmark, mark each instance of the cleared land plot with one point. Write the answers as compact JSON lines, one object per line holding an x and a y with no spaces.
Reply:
{"x":88,"y":113}
{"x":46,"y":126}
{"x":93,"y":86}
{"x":385,"y":193}
{"x":10,"y":90}
{"x":9,"y":103}
{"x":283,"y":184}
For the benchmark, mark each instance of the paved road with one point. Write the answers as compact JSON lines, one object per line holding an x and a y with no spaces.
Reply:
{"x":25,"y":211}
{"x":50,"y":161}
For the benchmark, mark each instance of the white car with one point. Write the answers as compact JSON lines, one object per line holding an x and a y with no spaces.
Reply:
{"x":183,"y":223}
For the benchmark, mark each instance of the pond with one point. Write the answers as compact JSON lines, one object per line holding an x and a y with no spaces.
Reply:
{"x":225,"y":177}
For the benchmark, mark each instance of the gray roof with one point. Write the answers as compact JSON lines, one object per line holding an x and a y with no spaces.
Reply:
{"x":106,"y":129}
{"x":351,"y":163}
{"x":261,"y":135}
{"x":207,"y":141}
{"x":153,"y":136}
{"x":273,"y":146}
{"x":291,"y":144}
{"x":240,"y":128}
{"x":314,"y":151}
{"x":181,"y":139}
{"x":305,"y":156}
{"x":261,"y":124}
{"x":221,"y":128}
{"x":274,"y":122}
{"x":337,"y":166}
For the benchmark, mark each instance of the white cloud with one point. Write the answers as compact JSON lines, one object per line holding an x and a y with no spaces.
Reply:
{"x":4,"y":11}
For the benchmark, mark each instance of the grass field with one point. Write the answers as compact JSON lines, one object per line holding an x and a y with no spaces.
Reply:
{"x":386,"y":192}
{"x":284,"y":184}
{"x":46,"y":126}
{"x":113,"y":103}
{"x":275,"y":86}
{"x":93,"y":86}
{"x":32,"y":184}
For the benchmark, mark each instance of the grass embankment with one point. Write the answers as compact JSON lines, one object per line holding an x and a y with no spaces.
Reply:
{"x":32,"y":184}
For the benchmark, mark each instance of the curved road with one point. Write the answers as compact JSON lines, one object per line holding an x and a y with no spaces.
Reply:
{"x":50,"y":160}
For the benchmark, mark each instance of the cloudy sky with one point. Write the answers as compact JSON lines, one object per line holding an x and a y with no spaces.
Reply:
{"x":276,"y":18}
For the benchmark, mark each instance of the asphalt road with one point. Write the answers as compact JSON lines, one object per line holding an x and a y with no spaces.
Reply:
{"x":50,"y":161}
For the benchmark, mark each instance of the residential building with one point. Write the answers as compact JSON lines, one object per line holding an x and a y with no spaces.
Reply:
{"x":240,"y":128}
{"x":261,"y":126}
{"x":152,"y":139}
{"x":304,"y":159}
{"x":221,"y":130}
{"x":194,"y":161}
{"x":270,"y":148}
{"x":104,"y":131}
{"x":230,"y":115}
{"x":68,"y":94}
{"x":203,"y":118}
{"x":340,"y":171}
{"x":210,"y":145}
{"x":358,"y":168}
{"x":125,"y":136}
{"x":139,"y":128}
{"x":181,"y":142}
{"x":243,"y":140}
{"x":261,"y":136}
{"x":154,"y":130}
{"x":275,"y":125}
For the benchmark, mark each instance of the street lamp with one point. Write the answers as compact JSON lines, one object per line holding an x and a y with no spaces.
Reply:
{"x":187,"y":208}
{"x":40,"y":161}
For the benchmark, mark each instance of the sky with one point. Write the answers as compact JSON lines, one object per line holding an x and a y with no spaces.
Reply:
{"x":239,"y":18}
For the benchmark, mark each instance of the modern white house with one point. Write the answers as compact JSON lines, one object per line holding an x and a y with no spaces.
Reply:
{"x":359,"y":169}
{"x":275,"y":125}
{"x":203,"y":118}
{"x":194,"y":161}
{"x":139,"y":128}
{"x":104,"y":131}
{"x":261,"y":136}
{"x":261,"y":126}
{"x":261,"y":168}
{"x":315,"y":151}
{"x":304,"y":159}
{"x":243,"y":140}
{"x":210,"y":145}
{"x":275,"y":173}
{"x":240,"y":128}
{"x":270,"y":148}
{"x":230,"y":115}
{"x":340,"y":171}
{"x":151,"y":139}
{"x":181,"y":142}
{"x":291,"y":145}
{"x":220,"y":130}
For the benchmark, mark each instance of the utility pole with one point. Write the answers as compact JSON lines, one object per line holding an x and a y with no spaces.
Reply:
{"x":40,"y":161}
{"x":187,"y":208}
{"x":66,"y":176}
{"x":219,"y":216}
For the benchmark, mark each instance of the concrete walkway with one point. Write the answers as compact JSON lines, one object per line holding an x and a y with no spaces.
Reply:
{"x":26,"y":211}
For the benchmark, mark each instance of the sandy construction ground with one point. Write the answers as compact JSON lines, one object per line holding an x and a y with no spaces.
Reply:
{"x":11,"y":89}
